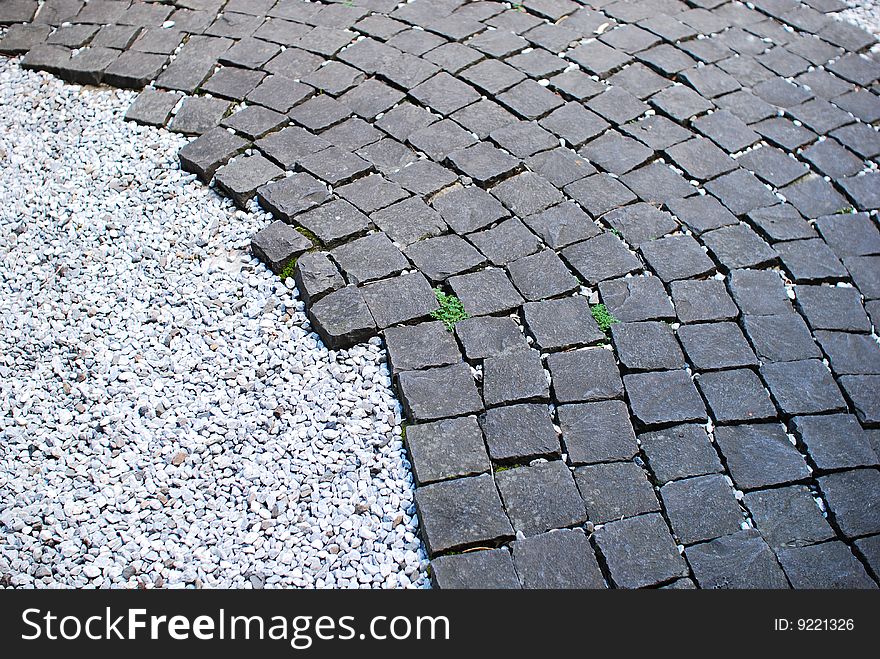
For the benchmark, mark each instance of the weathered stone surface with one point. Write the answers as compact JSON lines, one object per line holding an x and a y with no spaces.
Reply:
{"x":334,"y":221}
{"x":735,"y":396}
{"x":647,"y":346}
{"x":540,"y":497}
{"x":369,"y":258}
{"x":342,"y":318}
{"x":288,"y":197}
{"x":199,"y":114}
{"x":639,"y":551}
{"x":680,"y":451}
{"x":802,"y":387}
{"x":788,"y":516}
{"x":600,"y":258}
{"x":439,"y":392}
{"x":780,"y":338}
{"x":631,"y":299}
{"x":584,"y":375}
{"x":557,"y":559}
{"x":485,"y":292}
{"x":315,"y":276}
{"x":514,"y":376}
{"x":401,"y":299}
{"x":461,"y":512}
{"x":519,"y":433}
{"x":563,"y":323}
{"x":663,"y":397}
{"x":446,"y":449}
{"x":711,"y":346}
{"x":824,"y":566}
{"x":701,"y":508}
{"x":278,"y":244}
{"x":740,"y":560}
{"x":835,"y":441}
{"x":152,"y":107}
{"x":854,"y":500}
{"x":488,"y":336}
{"x":488,"y":569}
{"x":597,"y":432}
{"x":615,"y":490}
{"x":414,"y":347}
{"x":241,"y":177}
{"x":760,"y":455}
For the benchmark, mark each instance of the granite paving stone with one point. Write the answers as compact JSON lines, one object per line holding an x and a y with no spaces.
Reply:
{"x":487,"y":569}
{"x":401,"y":299}
{"x":656,"y":132}
{"x":423,"y":177}
{"x":735,"y":396}
{"x":467,"y":209}
{"x":541,"y":497}
{"x":461,"y":512}
{"x":445,"y":449}
{"x":415,"y":347}
{"x":834,"y":441}
{"x":657,"y":183}
{"x":152,"y":107}
{"x":334,"y":221}
{"x":438,"y":393}
{"x":832,"y":308}
{"x":788,"y":516}
{"x":615,"y":490}
{"x":489,"y":336}
{"x":523,"y":138}
{"x":563,"y":323}
{"x":279,"y":244}
{"x":679,"y":452}
{"x":781,"y":222}
{"x":288,"y":145}
{"x":199,"y":114}
{"x":741,"y":560}
{"x":700,"y":158}
{"x":562,"y":225}
{"x":810,"y":261}
{"x":597,"y":432}
{"x":602,"y":257}
{"x":664,"y":397}
{"x":483,"y":162}
{"x":514,"y":376}
{"x":483,"y":117}
{"x":850,"y":234}
{"x":519,"y":433}
{"x":292,"y":195}
{"x":824,"y":566}
{"x":242,"y":176}
{"x":741,"y":192}
{"x":853,"y":499}
{"x":802,"y":387}
{"x":702,"y":300}
{"x":759,"y":292}
{"x":738,"y":246}
{"x":486,"y":291}
{"x":616,"y":153}
{"x":780,"y":338}
{"x":632,"y":299}
{"x":315,"y":276}
{"x":444,"y":256}
{"x":334,"y":165}
{"x":775,"y":166}
{"x":647,"y":346}
{"x":557,"y":559}
{"x":541,"y":275}
{"x":760,"y":455}
{"x":584,"y":376}
{"x":850,"y":354}
{"x":342,"y":317}
{"x":507,"y":241}
{"x":133,"y":70}
{"x":676,"y":257}
{"x":701,"y":508}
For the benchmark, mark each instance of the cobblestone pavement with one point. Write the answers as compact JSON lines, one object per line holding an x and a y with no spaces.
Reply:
{"x":706,"y":170}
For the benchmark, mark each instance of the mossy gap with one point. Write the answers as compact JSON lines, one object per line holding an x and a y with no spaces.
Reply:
{"x":451,"y":309}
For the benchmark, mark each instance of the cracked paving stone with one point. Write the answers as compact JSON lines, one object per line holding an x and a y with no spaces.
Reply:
{"x":760,"y":455}
{"x":597,"y":432}
{"x":616,"y":153}
{"x":290,"y":196}
{"x":242,"y":176}
{"x":444,"y":256}
{"x":279,"y":244}
{"x":368,"y":258}
{"x":401,"y":299}
{"x":639,"y":551}
{"x":437,"y":393}
{"x":467,"y":209}
{"x":560,"y":324}
{"x":832,"y":308}
{"x":600,"y":258}
{"x":738,"y":246}
{"x":461,"y":512}
{"x":315,"y":276}
{"x":289,"y":145}
{"x":334,"y":165}
{"x":646,"y":346}
{"x":557,"y":559}
{"x":713,"y":346}
{"x":633,"y":299}
{"x":342,"y":318}
{"x":488,"y":336}
{"x":735,"y":396}
{"x":152,"y":107}
{"x":205,"y":154}
{"x":507,"y":241}
{"x":738,"y":561}
{"x":415,"y":347}
{"x":562,"y":225}
{"x":446,"y":449}
{"x":198,"y":114}
{"x":850,"y":354}
{"x":781,"y":338}
{"x":701,"y":508}
{"x":515,"y":376}
{"x":541,"y":275}
{"x":568,"y":370}
{"x":810,"y":260}
{"x":614,"y":491}
{"x":835,"y":441}
{"x":519,"y":433}
{"x":759,"y":292}
{"x":676,"y":257}
{"x":854,"y":500}
{"x":702,"y":300}
{"x":487,"y":569}
{"x":679,"y":452}
{"x":802,"y":387}
{"x":423,"y":177}
{"x":541,"y":497}
{"x":826,"y":565}
{"x":701,"y":213}
{"x":788,"y":516}
{"x":781,"y":222}
{"x":664,"y":397}
{"x":485,"y":292}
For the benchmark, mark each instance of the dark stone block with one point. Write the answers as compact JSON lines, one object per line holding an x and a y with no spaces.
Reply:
{"x":676,"y":257}
{"x":289,"y":145}
{"x":616,"y":153}
{"x":292,"y":195}
{"x":526,"y":194}
{"x":461,"y":512}
{"x":701,"y":213}
{"x":759,"y":292}
{"x":519,"y":433}
{"x":712,"y":346}
{"x":409,"y":220}
{"x":824,"y":566}
{"x":241,"y":177}
{"x":835,"y":441}
{"x":483,"y":117}
{"x":439,"y":392}
{"x":483,"y":162}
{"x":414,"y":347}
{"x":862,"y":189}
{"x":781,"y":338}
{"x":741,"y":192}
{"x":664,"y":397}
{"x":597,"y":432}
{"x":153,"y":108}
{"x":657,"y":132}
{"x":632,"y":299}
{"x":788,"y":516}
{"x":736,"y":396}
{"x":444,"y":256}
{"x":468,"y":209}
{"x":371,"y":192}
{"x":639,"y":551}
{"x":530,"y":100}
{"x":760,"y":455}
{"x":781,"y":222}
{"x":850,"y":354}
{"x":401,"y":299}
{"x":352,"y":134}
{"x":334,"y":221}
{"x":598,"y":59}
{"x":315,"y":276}
{"x":562,"y":225}
{"x":702,"y":300}
{"x":814,"y":197}
{"x":515,"y":376}
{"x":810,"y":260}
{"x":233,"y":83}
{"x":541,"y":497}
{"x":488,"y":336}
{"x":199,"y":114}
{"x":321,"y":111}
{"x":738,"y":561}
{"x":21,"y":38}
{"x":134,"y":70}
{"x":444,"y":93}
{"x":861,"y":390}
{"x":679,"y":102}
{"x":727,"y":131}
{"x":776,"y":167}
{"x":487,"y":569}
{"x":342,"y":318}
{"x":278,"y":244}
{"x":445,"y":449}
{"x":680,"y":452}
{"x":584,"y":375}
{"x":334,"y":165}
{"x":615,"y":490}
{"x":600,"y":258}
{"x":657,"y":183}
{"x":524,"y":138}
{"x":850,"y":234}
{"x":508,"y":241}
{"x":485,"y":292}
{"x":541,"y":276}
{"x":854,"y":500}
{"x":701,"y":159}
{"x":832,"y":308}
{"x":802,"y":387}
{"x":647,"y":346}
{"x":832,"y":159}
{"x":557,"y":559}
{"x":46,"y":58}
{"x":573,"y":123}
{"x":701,"y":508}
{"x":18,"y":11}
{"x":738,"y":247}
{"x":564,"y":323}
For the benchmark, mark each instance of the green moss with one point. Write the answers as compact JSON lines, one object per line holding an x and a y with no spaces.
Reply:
{"x":846,"y":210}
{"x":288,"y":270}
{"x":451,"y":309}
{"x":403,"y":427}
{"x":311,"y":236}
{"x":604,"y":318}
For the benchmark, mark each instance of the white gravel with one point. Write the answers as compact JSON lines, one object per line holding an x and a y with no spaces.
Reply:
{"x":864,"y":13}
{"x":166,"y":416}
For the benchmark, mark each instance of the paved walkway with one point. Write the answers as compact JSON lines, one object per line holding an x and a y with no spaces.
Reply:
{"x":703,"y":170}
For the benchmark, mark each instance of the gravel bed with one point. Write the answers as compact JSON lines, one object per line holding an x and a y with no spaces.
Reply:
{"x":864,"y":13}
{"x":166,"y":416}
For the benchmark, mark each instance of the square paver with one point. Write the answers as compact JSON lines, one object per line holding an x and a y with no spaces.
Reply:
{"x":446,"y":449}
{"x":788,"y":516}
{"x":760,"y":455}
{"x":664,"y":397}
{"x":741,"y":560}
{"x":679,"y":452}
{"x":647,"y":346}
{"x":541,"y":497}
{"x":519,"y":433}
{"x":835,"y":441}
{"x":564,"y":323}
{"x":513,"y":377}
{"x":557,"y":559}
{"x":597,"y":432}
{"x":639,"y":551}
{"x":712,"y":346}
{"x":854,"y":500}
{"x":701,"y":508}
{"x":584,"y":375}
{"x":439,"y":392}
{"x":486,"y":569}
{"x":615,"y":490}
